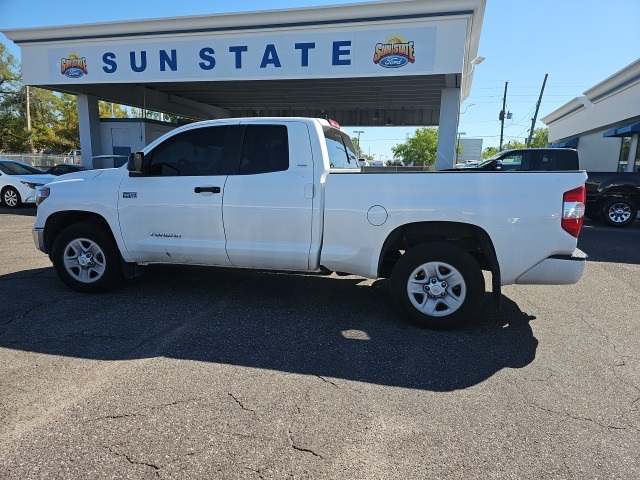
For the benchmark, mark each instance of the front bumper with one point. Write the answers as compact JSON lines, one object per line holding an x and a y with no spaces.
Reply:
{"x":38,"y":239}
{"x":556,"y":270}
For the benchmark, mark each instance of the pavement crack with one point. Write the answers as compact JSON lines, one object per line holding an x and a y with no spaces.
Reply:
{"x":155,"y":468}
{"x":567,"y":414}
{"x":326,"y":381}
{"x":235,"y":399}
{"x":253,"y":470}
{"x":298,"y":448}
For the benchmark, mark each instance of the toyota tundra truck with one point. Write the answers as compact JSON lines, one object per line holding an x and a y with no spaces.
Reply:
{"x":289,"y":194}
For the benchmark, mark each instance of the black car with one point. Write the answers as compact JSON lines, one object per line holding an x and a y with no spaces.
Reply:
{"x":64,"y":168}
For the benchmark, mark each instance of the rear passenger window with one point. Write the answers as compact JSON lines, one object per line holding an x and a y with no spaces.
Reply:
{"x":265,"y":149}
{"x":196,"y":152}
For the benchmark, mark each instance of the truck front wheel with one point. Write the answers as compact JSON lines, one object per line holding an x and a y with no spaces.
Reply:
{"x":619,"y":212}
{"x":437,"y":286}
{"x":86,"y":258}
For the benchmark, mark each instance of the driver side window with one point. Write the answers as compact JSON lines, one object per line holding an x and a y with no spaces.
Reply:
{"x":196,"y":152}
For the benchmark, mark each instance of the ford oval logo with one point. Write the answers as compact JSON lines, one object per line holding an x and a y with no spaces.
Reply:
{"x":74,"y":72}
{"x":394,"y":61}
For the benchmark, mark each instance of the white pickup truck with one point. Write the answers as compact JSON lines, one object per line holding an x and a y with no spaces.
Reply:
{"x":288,"y":194}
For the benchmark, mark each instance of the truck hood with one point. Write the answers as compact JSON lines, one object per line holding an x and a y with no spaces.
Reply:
{"x":82,"y":175}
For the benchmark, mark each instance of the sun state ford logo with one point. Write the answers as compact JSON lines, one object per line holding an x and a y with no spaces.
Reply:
{"x":394,"y":53}
{"x":74,"y":66}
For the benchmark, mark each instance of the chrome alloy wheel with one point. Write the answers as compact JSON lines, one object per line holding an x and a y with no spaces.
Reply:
{"x":437,"y":289}
{"x":619,"y":212}
{"x":84,"y":260}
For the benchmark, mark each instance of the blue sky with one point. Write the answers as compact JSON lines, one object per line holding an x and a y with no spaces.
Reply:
{"x":578,"y":43}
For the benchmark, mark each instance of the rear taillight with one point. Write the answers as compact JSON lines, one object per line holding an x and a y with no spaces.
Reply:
{"x":573,"y":210}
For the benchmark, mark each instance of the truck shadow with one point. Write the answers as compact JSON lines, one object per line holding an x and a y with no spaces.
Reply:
{"x":336,"y":327}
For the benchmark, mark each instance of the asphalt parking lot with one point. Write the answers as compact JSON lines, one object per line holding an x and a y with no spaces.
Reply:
{"x":216,"y":373}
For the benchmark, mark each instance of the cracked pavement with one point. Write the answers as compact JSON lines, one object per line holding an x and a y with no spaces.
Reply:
{"x":192,"y":373}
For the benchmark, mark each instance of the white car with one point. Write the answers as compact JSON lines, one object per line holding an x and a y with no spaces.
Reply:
{"x":18,"y":182}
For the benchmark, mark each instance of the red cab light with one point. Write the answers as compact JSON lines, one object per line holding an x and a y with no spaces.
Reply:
{"x":334,"y":124}
{"x":573,"y":207}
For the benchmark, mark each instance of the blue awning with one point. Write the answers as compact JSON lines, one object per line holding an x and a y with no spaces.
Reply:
{"x":624,"y":131}
{"x":573,"y":143}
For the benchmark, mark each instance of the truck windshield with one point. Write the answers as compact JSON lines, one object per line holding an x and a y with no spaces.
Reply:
{"x":342,"y":154}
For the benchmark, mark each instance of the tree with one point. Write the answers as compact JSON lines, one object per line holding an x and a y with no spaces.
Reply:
{"x":420,"y":149}
{"x":511,"y":145}
{"x":356,"y":144}
{"x":112,"y":110}
{"x":490,"y":152}
{"x":540,"y":139}
{"x":10,"y":86}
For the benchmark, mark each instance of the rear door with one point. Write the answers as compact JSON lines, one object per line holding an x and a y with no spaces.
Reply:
{"x":268,"y":197}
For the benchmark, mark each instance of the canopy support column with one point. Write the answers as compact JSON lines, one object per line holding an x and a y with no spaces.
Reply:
{"x":89,"y":124}
{"x":448,"y":130}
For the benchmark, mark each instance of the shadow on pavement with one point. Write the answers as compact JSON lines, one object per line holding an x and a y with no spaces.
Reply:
{"x":24,"y":210}
{"x":310,"y":325}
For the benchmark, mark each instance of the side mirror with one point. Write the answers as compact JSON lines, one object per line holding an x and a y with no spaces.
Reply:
{"x":135,"y":162}
{"x":498,"y":165}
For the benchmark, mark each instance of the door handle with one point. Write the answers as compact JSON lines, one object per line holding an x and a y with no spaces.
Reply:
{"x":207,"y":189}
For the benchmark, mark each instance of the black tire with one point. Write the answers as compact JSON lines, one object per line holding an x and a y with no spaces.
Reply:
{"x":87,"y":259}
{"x":618,"y":212}
{"x":11,"y":197}
{"x":454,"y":280}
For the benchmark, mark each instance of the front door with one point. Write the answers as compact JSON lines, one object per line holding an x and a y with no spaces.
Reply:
{"x":173,"y":214}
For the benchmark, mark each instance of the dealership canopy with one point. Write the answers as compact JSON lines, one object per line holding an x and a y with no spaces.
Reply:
{"x":398,"y":62}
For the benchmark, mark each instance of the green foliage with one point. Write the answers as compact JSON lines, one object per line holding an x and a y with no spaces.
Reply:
{"x":540,"y":139}
{"x":490,"y":152}
{"x":420,"y":149}
{"x":54,"y":116}
{"x":112,"y":110}
{"x":356,"y":144}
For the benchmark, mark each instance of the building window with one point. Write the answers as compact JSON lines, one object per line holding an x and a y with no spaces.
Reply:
{"x":624,"y":154}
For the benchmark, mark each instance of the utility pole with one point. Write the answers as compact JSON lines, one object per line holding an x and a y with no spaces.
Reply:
{"x":29,"y":139}
{"x":535,"y":116}
{"x":502,"y":114}
{"x":28,"y":110}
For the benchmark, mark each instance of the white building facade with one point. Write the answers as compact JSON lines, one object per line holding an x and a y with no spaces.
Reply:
{"x":603,"y":124}
{"x":393,"y":62}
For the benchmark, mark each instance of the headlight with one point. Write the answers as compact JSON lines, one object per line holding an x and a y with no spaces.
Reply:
{"x":42,"y":194}
{"x":31,"y":185}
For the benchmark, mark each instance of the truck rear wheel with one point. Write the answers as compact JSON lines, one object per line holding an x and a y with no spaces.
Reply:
{"x":87,"y":259}
{"x":619,"y":212}
{"x":437,"y":286}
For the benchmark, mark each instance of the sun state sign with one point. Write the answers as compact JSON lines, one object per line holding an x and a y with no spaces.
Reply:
{"x":403,"y":49}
